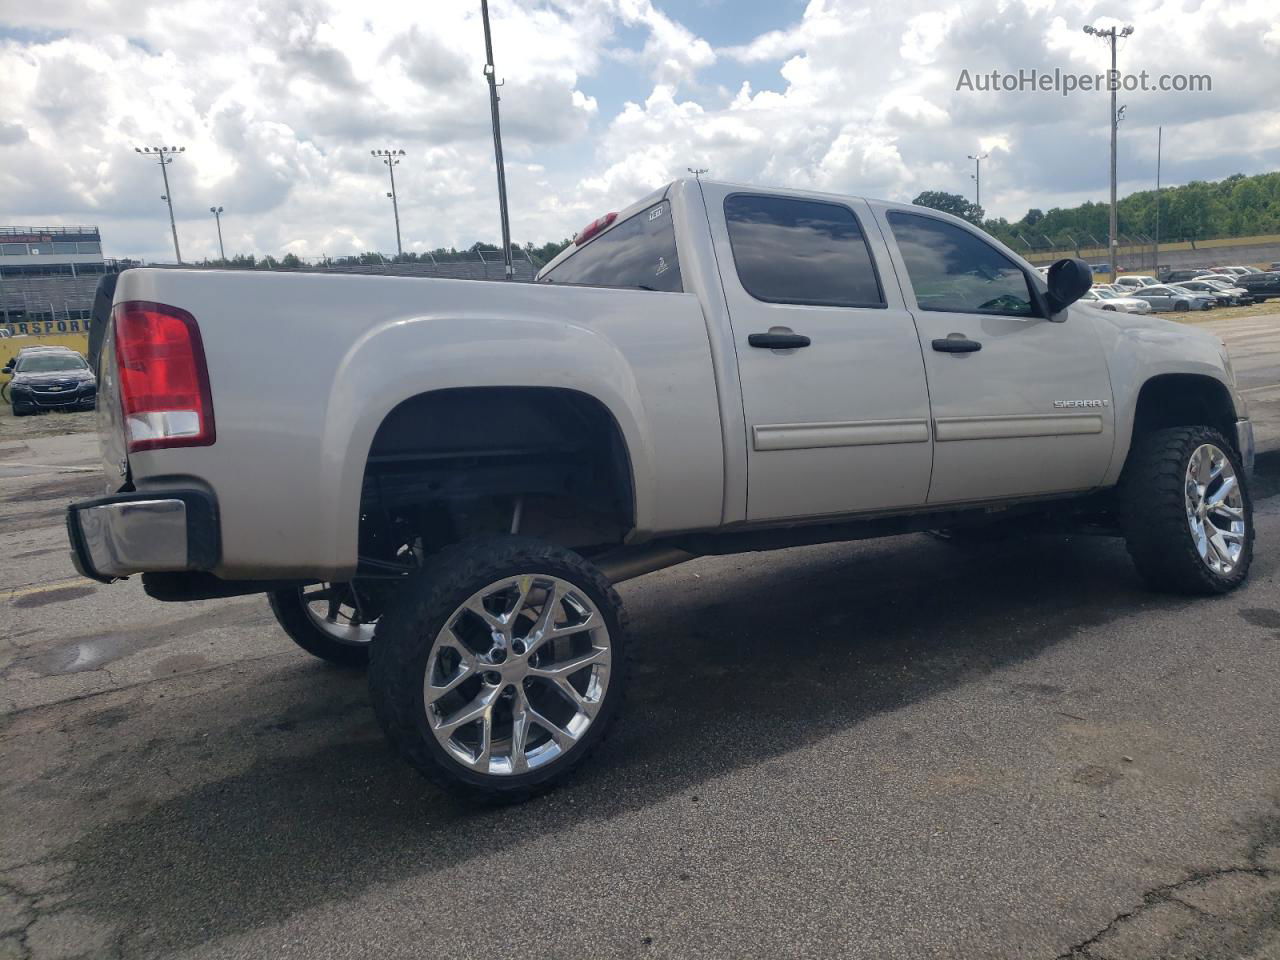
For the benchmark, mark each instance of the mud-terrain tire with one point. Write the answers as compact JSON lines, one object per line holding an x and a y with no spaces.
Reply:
{"x":463,"y":640}
{"x":1165,"y":500}
{"x":344,"y":648}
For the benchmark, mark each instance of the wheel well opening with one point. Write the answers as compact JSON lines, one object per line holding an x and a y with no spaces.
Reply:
{"x":457,"y":463}
{"x":1180,"y":400}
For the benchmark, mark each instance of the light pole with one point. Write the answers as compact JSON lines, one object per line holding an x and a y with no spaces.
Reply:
{"x":977,"y":159}
{"x":165,"y":156}
{"x":491,"y":76}
{"x":1113,"y":82}
{"x":697,"y":172}
{"x":217,"y":216}
{"x":392,"y":157}
{"x":1155,"y":267}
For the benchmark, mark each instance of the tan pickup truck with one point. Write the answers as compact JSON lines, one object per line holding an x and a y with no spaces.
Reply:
{"x":444,"y":478}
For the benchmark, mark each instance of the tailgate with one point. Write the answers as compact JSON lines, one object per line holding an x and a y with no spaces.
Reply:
{"x":111,"y":439}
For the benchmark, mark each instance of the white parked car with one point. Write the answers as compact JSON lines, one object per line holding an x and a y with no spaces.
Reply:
{"x":1238,"y":271}
{"x":1172,"y":297}
{"x":1136,"y":281}
{"x":1109,"y":300}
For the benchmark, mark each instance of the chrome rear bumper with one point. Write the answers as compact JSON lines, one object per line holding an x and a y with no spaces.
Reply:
{"x":118,"y":536}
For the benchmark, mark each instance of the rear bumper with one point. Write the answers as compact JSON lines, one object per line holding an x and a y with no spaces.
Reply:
{"x":1245,"y":444}
{"x":114,"y":537}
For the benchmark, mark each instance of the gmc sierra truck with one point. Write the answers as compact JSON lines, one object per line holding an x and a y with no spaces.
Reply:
{"x":444,"y":478}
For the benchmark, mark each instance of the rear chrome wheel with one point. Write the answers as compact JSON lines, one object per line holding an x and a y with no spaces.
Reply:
{"x":500,"y":667}
{"x":517,"y":675}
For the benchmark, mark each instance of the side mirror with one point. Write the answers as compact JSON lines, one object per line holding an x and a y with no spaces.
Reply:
{"x":7,"y":370}
{"x":1068,"y":280}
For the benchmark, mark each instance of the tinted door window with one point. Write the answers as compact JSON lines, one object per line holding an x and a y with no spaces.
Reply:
{"x":801,"y":251}
{"x":953,"y":270}
{"x":638,"y":252}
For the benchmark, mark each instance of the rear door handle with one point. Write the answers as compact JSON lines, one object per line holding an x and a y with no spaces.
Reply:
{"x":778,"y":341}
{"x":956,"y":344}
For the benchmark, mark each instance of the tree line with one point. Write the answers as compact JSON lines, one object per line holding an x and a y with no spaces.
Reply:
{"x":539,"y":255}
{"x":1239,"y":206}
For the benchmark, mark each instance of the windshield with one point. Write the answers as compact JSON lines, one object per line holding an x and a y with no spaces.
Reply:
{"x":1106,"y":295}
{"x":50,"y":363}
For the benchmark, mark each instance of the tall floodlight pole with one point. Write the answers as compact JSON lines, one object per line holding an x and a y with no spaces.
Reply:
{"x":1159,"y":144}
{"x":491,"y":76}
{"x":391,"y":157}
{"x":165,"y":156}
{"x":697,"y":172}
{"x":1113,"y":82}
{"x":217,"y":216}
{"x":977,"y":159}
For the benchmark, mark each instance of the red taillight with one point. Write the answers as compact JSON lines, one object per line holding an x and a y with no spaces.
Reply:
{"x":164,"y":383}
{"x":594,"y":227}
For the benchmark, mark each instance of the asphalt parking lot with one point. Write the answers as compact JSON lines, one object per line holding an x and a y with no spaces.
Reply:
{"x":900,"y":748}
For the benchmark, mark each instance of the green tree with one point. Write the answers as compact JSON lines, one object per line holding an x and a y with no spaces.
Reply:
{"x":951,"y":203}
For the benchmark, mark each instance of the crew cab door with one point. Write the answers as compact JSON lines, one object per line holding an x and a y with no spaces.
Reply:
{"x":833,"y":385}
{"x":1021,"y":405}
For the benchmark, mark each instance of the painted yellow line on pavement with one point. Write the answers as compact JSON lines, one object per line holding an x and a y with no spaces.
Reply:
{"x":47,"y":587}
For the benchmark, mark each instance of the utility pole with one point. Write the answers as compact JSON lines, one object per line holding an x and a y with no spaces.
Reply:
{"x":1113,"y":82}
{"x":217,"y":216}
{"x":165,"y":156}
{"x":491,"y":76}
{"x":1159,"y":145}
{"x":977,"y":176}
{"x":391,"y":157}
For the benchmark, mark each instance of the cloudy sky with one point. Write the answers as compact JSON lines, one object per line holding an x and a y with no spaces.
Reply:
{"x":278,"y":103}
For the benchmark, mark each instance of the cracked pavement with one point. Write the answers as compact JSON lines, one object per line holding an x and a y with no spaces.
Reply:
{"x":898,"y":748}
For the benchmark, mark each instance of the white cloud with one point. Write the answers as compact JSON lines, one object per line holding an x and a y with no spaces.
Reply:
{"x":279,"y":104}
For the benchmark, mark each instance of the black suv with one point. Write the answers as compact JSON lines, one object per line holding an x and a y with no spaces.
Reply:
{"x":1261,"y":286}
{"x":1177,"y":276}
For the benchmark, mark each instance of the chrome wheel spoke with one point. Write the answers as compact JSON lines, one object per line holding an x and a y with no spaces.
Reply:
{"x":544,"y":627}
{"x":580,"y":703}
{"x":1227,"y":488}
{"x":520,"y":718}
{"x":476,"y":606}
{"x":567,"y":668}
{"x":475,"y":710}
{"x":561,"y":737}
{"x":466,"y":668}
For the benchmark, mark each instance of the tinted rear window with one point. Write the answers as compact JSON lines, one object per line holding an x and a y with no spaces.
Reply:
{"x":639,"y":252}
{"x":801,"y":251}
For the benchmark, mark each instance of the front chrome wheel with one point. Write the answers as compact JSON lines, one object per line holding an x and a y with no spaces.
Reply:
{"x":339,"y":612}
{"x":1215,"y":509}
{"x":517,"y":675}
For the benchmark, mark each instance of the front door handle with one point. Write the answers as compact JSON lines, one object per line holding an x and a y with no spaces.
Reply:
{"x":956,"y":343}
{"x":778,"y":341}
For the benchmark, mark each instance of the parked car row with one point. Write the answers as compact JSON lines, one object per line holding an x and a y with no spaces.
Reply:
{"x":1191,"y":273}
{"x":50,"y":378}
{"x":1187,"y":289}
{"x":1107,"y":299}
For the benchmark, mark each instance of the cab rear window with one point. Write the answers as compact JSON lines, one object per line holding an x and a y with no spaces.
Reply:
{"x":639,"y":252}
